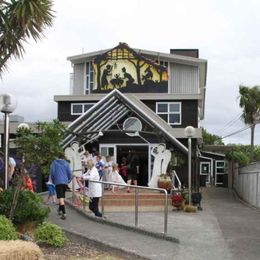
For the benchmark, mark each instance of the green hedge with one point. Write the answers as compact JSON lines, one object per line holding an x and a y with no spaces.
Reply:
{"x":29,"y":208}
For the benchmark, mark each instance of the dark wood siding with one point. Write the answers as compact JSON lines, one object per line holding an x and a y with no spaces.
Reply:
{"x":189,"y":111}
{"x":64,"y":110}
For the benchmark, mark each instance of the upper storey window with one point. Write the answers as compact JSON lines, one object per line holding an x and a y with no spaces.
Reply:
{"x":170,"y":112}
{"x":89,"y":77}
{"x":80,"y":108}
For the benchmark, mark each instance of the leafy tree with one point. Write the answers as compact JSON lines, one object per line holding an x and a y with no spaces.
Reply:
{"x":249,"y":101}
{"x":242,"y":154}
{"x":210,"y":139}
{"x":21,"y":20}
{"x":40,"y":149}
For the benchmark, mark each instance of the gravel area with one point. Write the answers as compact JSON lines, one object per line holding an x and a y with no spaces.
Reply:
{"x":74,"y":250}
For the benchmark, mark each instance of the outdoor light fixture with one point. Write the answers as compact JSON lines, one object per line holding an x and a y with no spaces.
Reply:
{"x":23,"y":125}
{"x":7,"y":105}
{"x":189,"y":132}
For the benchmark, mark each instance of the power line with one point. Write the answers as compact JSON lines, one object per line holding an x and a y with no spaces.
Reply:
{"x":229,"y":124}
{"x":236,"y":132}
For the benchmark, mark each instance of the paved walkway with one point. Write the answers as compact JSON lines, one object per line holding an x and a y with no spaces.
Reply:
{"x":225,"y":229}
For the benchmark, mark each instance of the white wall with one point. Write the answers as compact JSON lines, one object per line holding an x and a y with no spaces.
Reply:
{"x":247,"y":183}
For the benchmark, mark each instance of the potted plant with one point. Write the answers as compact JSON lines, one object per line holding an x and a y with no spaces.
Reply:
{"x":177,"y":200}
{"x":165,"y":182}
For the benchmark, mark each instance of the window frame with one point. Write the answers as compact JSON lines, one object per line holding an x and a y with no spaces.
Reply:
{"x":82,"y":108}
{"x":88,"y":70}
{"x":222,"y":167}
{"x":168,"y":113}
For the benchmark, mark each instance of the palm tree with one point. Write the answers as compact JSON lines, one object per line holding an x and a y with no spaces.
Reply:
{"x":250,"y":103}
{"x":21,"y":20}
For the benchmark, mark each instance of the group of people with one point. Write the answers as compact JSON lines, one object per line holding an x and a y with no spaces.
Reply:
{"x":15,"y":172}
{"x":95,"y":168}
{"x":110,"y":171}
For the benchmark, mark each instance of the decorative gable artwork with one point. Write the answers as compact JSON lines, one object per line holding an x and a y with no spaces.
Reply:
{"x":123,"y":68}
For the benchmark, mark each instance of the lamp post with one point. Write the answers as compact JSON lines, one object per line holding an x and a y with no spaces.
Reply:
{"x":8,"y":105}
{"x":189,"y":132}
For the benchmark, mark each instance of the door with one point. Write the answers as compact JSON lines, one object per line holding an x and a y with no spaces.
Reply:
{"x":141,"y":151}
{"x":205,"y":172}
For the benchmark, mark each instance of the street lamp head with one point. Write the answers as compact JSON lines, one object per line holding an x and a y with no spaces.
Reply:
{"x":189,"y":131}
{"x":23,"y":125}
{"x":8,"y":103}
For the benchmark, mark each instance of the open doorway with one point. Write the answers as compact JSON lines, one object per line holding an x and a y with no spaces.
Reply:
{"x":141,"y":151}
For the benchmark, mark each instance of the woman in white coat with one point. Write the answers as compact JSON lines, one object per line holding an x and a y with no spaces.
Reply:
{"x":94,"y":189}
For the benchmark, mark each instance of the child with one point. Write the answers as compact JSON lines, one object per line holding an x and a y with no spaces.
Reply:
{"x":115,"y":176}
{"x":51,"y":191}
{"x":27,"y":181}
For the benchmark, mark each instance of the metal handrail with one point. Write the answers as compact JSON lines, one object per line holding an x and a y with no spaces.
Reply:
{"x":136,"y":187}
{"x":174,"y":174}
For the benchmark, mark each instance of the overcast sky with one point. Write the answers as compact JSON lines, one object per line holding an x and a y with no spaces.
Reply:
{"x":225,"y":32}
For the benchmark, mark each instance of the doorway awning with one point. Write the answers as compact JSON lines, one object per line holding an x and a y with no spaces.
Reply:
{"x":108,"y":111}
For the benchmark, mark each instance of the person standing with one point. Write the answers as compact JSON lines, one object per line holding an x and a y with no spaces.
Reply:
{"x":100,"y":166}
{"x":123,"y":169}
{"x":94,"y":189}
{"x":51,"y":191}
{"x":61,"y":176}
{"x":116,"y":177}
{"x":132,"y":170}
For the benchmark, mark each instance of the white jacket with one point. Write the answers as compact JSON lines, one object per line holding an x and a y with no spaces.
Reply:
{"x":94,"y":189}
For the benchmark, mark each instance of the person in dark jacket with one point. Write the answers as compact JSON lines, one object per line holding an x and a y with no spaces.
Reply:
{"x":61,"y":176}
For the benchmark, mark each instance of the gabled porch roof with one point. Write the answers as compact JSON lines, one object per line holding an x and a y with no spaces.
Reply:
{"x":109,"y":110}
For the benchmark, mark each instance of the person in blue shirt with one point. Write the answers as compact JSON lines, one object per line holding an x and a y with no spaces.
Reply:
{"x":61,"y":175}
{"x":100,"y":166}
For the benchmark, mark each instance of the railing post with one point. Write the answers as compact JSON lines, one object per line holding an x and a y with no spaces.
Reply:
{"x":257,"y":191}
{"x":165,"y":212}
{"x":136,"y":207}
{"x":84,"y":196}
{"x":73,"y":189}
{"x":102,"y":200}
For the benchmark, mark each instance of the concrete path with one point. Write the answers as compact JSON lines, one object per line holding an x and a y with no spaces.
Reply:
{"x":225,"y":229}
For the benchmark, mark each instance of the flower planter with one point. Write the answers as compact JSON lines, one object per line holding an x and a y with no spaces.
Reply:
{"x":165,"y":182}
{"x":177,"y":200}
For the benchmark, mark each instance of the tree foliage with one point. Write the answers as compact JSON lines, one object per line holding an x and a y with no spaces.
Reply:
{"x":41,"y":148}
{"x":249,"y":101}
{"x":210,"y":139}
{"x":242,"y":154}
{"x":21,"y":20}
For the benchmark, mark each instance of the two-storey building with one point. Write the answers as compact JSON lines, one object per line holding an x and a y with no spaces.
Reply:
{"x":125,"y":100}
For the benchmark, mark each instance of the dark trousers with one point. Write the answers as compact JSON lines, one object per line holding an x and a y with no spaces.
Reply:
{"x":93,"y":206}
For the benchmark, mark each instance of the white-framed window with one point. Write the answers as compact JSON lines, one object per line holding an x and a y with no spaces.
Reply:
{"x":220,"y":167}
{"x":80,"y":108}
{"x":89,"y":77}
{"x":108,"y":150}
{"x":170,"y":112}
{"x":205,"y":170}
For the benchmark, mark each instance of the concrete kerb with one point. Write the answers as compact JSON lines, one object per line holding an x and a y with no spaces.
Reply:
{"x":80,"y":238}
{"x":125,"y":227}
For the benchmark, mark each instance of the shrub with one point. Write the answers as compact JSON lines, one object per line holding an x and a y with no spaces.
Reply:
{"x":50,"y":234}
{"x":29,"y":208}
{"x":7,"y":230}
